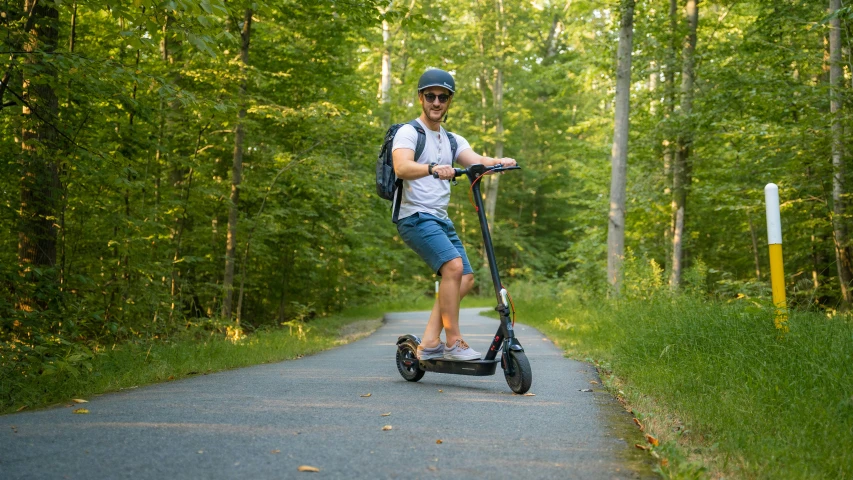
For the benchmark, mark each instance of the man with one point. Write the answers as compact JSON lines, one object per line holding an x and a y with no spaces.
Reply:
{"x":423,"y":222}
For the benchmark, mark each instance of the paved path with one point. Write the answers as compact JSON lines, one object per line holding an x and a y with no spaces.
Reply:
{"x":266,"y":421}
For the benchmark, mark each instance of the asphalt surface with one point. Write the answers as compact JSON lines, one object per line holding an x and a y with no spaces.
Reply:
{"x":267,"y":421}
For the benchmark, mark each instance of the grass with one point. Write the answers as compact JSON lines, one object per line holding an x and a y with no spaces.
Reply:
{"x":724,"y":392}
{"x":136,"y":363}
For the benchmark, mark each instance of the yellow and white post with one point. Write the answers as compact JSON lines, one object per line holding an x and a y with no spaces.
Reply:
{"x":774,"y":240}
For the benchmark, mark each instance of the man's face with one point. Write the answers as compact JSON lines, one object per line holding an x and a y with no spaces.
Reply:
{"x":435,"y":110}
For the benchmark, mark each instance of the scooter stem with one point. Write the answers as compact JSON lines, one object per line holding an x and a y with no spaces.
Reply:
{"x":473,"y":173}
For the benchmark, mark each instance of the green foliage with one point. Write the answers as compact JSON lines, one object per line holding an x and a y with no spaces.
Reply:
{"x":743,"y":401}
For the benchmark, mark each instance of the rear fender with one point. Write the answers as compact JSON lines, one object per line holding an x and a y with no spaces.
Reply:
{"x":408,"y":338}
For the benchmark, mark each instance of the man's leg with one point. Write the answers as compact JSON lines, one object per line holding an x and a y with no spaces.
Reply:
{"x":432,"y":333}
{"x":448,"y":299}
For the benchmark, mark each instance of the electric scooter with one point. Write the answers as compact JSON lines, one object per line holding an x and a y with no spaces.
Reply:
{"x":514,"y":362}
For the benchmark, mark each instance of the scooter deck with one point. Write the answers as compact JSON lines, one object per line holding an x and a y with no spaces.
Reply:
{"x":477,"y":368}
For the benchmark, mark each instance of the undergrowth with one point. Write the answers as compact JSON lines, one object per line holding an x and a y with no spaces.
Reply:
{"x":724,"y":391}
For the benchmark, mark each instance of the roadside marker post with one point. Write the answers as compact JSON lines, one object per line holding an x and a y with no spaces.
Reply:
{"x":436,"y":289}
{"x":774,"y":241}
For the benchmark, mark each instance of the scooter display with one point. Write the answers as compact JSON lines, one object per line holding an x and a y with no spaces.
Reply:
{"x":513,"y":361}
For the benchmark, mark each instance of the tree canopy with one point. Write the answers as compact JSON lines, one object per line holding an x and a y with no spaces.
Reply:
{"x":118,"y":133}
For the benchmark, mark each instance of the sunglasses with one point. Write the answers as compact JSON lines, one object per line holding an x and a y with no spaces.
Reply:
{"x":443,"y":98}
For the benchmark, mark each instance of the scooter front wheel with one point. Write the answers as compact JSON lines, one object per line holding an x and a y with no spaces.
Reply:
{"x":407,"y":362}
{"x":522,"y":375}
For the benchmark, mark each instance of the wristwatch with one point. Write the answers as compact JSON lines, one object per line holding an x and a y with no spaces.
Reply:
{"x":430,"y":167}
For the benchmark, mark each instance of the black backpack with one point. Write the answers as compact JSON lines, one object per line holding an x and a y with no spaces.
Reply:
{"x":387,"y":183}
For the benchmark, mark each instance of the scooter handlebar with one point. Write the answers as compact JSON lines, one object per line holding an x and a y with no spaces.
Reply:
{"x":479,"y":169}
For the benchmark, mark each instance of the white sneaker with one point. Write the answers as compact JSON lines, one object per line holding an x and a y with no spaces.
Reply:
{"x":460,"y":351}
{"x":433,"y":353}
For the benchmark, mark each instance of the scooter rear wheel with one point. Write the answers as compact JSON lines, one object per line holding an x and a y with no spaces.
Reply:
{"x":522,"y":376}
{"x":407,"y":362}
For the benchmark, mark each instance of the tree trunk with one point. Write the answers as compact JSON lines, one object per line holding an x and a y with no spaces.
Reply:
{"x":553,"y":34}
{"x":492,"y":189}
{"x":667,"y":143}
{"x":40,"y":187}
{"x":839,"y":228}
{"x":653,"y":86}
{"x":161,"y":132}
{"x":754,"y":237}
{"x":681,"y":171}
{"x":181,"y":223}
{"x":619,"y":152}
{"x":236,"y":176}
{"x":385,"y":81}
{"x":816,"y":257}
{"x":497,"y":98}
{"x":72,"y":42}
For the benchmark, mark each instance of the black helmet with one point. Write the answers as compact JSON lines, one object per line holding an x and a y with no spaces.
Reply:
{"x":435,"y":77}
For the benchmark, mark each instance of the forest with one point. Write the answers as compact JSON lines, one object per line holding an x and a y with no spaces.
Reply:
{"x":210,"y":164}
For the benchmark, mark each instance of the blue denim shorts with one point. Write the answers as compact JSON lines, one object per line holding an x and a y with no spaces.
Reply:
{"x":435,"y":240}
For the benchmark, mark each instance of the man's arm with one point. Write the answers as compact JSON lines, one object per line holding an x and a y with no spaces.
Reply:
{"x":407,"y":168}
{"x":468,"y":157}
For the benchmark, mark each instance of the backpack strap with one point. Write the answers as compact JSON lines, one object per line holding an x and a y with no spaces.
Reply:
{"x":419,"y":147}
{"x":419,"y":150}
{"x":453,"y":147}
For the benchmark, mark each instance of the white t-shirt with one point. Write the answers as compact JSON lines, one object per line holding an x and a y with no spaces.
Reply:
{"x":427,"y":194}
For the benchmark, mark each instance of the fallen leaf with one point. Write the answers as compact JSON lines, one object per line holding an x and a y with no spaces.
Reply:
{"x":80,"y":410}
{"x":22,"y":407}
{"x":432,"y":468}
{"x":652,"y":440}
{"x":308,"y":468}
{"x":641,"y":447}
{"x":200,"y":452}
{"x":639,"y":424}
{"x":593,"y":382}
{"x":387,"y":427}
{"x":367,"y":394}
{"x":386,"y":414}
{"x":528,"y":394}
{"x":585,"y":390}
{"x":440,"y":391}
{"x":171,"y":377}
{"x":438,"y":442}
{"x":79,"y":400}
{"x":275,"y":451}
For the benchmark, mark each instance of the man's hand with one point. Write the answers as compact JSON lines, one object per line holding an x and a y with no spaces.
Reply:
{"x":445,"y":172}
{"x":506,"y":162}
